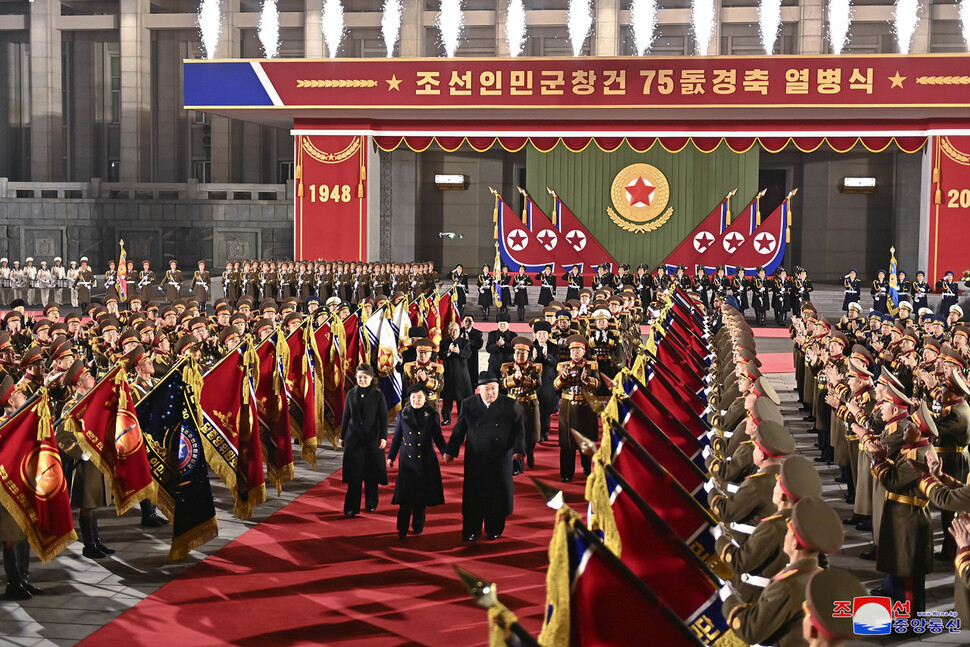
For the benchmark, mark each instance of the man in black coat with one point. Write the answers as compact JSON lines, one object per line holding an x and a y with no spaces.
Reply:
{"x":492,"y":425}
{"x":499,"y":345}
{"x":476,"y":342}
{"x":454,"y":353}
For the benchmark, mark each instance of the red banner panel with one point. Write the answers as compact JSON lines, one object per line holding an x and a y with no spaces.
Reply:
{"x":635,"y":82}
{"x":950,"y":204}
{"x":331,"y":203}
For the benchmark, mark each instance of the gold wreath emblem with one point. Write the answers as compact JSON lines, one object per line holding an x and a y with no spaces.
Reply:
{"x":640,"y":193}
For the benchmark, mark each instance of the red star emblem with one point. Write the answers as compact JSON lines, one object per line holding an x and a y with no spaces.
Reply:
{"x":517,"y":240}
{"x":640,"y":193}
{"x":764,"y":242}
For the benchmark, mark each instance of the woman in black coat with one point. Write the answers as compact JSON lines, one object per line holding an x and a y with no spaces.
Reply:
{"x":454,"y":353}
{"x":485,"y":283}
{"x":363,"y":436}
{"x":418,"y":486}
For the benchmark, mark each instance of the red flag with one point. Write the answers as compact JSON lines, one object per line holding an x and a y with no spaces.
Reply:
{"x":331,"y":383}
{"x":517,"y":245}
{"x":591,"y":598}
{"x":448,"y":310}
{"x":659,"y":410}
{"x":300,"y":388}
{"x":32,"y":485}
{"x":734,"y":237}
{"x":652,"y":551}
{"x":351,"y":347}
{"x":663,"y":449}
{"x":767,"y":246}
{"x":105,"y":425}
{"x":230,"y":430}
{"x":274,"y":412}
{"x":433,"y":318}
{"x":561,"y":254}
{"x":577,"y":237}
{"x":702,"y":238}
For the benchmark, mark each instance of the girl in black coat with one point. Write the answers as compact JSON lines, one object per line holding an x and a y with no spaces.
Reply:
{"x":418,"y":486}
{"x":363,"y":436}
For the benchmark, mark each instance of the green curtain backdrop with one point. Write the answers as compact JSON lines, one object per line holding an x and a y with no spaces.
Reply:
{"x":698,"y":183}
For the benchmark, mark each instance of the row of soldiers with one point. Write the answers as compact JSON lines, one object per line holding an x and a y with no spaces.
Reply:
{"x":774,"y":528}
{"x":866,"y":385}
{"x":916,"y":292}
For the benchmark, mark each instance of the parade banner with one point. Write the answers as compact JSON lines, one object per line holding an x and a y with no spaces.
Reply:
{"x":301,"y":392}
{"x":230,"y":428}
{"x":591,"y":596}
{"x":32,"y":485}
{"x":722,"y":250}
{"x":274,"y":413}
{"x":607,"y":83}
{"x":517,"y":244}
{"x":331,"y":204}
{"x":949,"y":208}
{"x":329,"y":383}
{"x":123,"y":272}
{"x":766,"y":247}
{"x":106,"y":427}
{"x":652,"y":551}
{"x":169,"y":416}
{"x":577,"y":236}
{"x":563,"y":255}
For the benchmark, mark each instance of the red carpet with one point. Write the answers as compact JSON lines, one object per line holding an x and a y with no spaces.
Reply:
{"x":771,"y":333}
{"x":309,"y":575}
{"x":777,"y":362}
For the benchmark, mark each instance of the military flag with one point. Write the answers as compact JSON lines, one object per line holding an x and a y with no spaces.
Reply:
{"x":766,"y":247}
{"x":169,"y":416}
{"x":329,"y":382}
{"x":702,"y":238}
{"x":32,"y":485}
{"x":447,"y":308}
{"x":300,"y":386}
{"x":497,"y":274}
{"x":591,"y":596}
{"x":384,"y":359}
{"x":350,"y":346}
{"x":517,"y":245}
{"x":893,"y":301}
{"x":123,"y":273}
{"x":560,"y":253}
{"x":106,"y":427}
{"x":738,"y":231}
{"x":274,"y":412}
{"x":653,"y":552}
{"x":432,"y":318}
{"x":230,"y":428}
{"x":577,"y":237}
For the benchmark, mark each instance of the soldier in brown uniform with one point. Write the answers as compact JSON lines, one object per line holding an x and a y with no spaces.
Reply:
{"x":821,"y":627}
{"x":905,"y":550}
{"x":173,"y":281}
{"x":776,"y":616}
{"x":953,"y":425}
{"x":84,"y":282}
{"x":521,"y":379}
{"x":576,"y":381}
{"x":90,"y":489}
{"x":424,"y":371}
{"x":762,"y":556}
{"x":752,"y":501}
{"x":201,"y":285}
{"x":740,"y":464}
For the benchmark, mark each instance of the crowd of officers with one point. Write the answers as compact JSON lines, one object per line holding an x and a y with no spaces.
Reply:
{"x":887,"y":396}
{"x":775,"y":530}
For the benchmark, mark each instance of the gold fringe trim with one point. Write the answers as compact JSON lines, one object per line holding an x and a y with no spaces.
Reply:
{"x":124,"y":504}
{"x":244,"y":509}
{"x":198,"y":536}
{"x":308,"y":451}
{"x":598,"y":495}
{"x":500,"y":619}
{"x":556,"y":623}
{"x":729,"y":639}
{"x":279,"y":476}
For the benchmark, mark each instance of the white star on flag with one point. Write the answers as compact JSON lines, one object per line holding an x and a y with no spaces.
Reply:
{"x":702,"y":241}
{"x":732,"y":241}
{"x":764,"y":243}
{"x":577,"y":239}
{"x":516,"y":240}
{"x":548,"y":238}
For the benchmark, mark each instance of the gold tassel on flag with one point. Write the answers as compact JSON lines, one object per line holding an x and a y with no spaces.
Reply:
{"x":598,"y":495}
{"x":556,"y":625}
